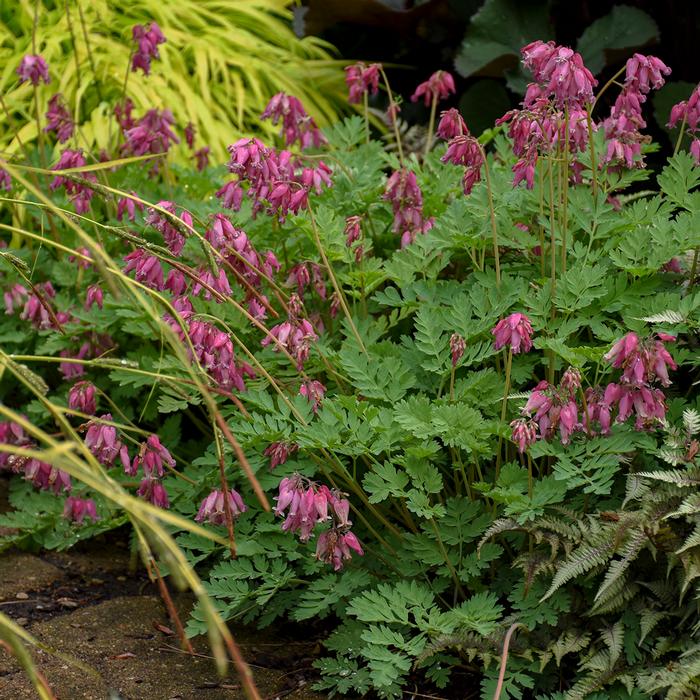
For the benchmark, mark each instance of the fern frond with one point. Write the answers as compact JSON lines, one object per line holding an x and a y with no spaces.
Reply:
{"x":497,"y":527}
{"x":691,"y":421}
{"x":619,"y":566}
{"x":648,"y":619}
{"x":669,"y":316}
{"x":582,"y":560}
{"x":693,"y":540}
{"x":677,"y":477}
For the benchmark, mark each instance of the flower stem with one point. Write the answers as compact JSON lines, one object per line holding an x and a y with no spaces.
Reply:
{"x":431,"y":126}
{"x":565,"y":190}
{"x":365,"y":102}
{"x":492,"y":212}
{"x":394,"y":121}
{"x":504,"y":406}
{"x":591,"y":146}
{"x":679,"y":140}
{"x":224,"y":488}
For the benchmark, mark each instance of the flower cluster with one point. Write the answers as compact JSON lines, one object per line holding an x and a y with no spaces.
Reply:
{"x":152,"y":457}
{"x":296,"y":124}
{"x":462,"y":149}
{"x":169,"y":226}
{"x":213,"y":507}
{"x":44,"y":476}
{"x":102,"y":439}
{"x":439,"y":86}
{"x":79,"y":193}
{"x":362,"y":80}
{"x":279,"y":452}
{"x":623,"y":126}
{"x":147,"y":42}
{"x":406,"y":200}
{"x":33,"y":69}
{"x":294,"y":335}
{"x":513,"y":332}
{"x":77,"y":509}
{"x":150,"y":134}
{"x":81,"y":397}
{"x":687,"y":113}
{"x":59,"y":119}
{"x":277,"y":181}
{"x":314,"y":391}
{"x":309,"y":504}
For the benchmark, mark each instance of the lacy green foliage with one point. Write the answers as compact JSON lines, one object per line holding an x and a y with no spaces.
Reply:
{"x":593,"y":547}
{"x":220,"y":65}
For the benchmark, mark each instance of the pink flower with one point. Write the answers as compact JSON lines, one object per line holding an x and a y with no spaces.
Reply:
{"x":5,"y":180}
{"x":457,"y":348}
{"x":59,"y":119}
{"x":77,"y":192}
{"x":176,"y":283}
{"x":103,"y":442}
{"x":206,"y":280}
{"x":147,"y":42}
{"x":152,"y":456}
{"x":406,"y":199}
{"x":148,"y":269}
{"x":33,"y":68}
{"x":201,"y":158}
{"x":314,"y":391}
{"x":45,"y":477}
{"x":169,"y":226}
{"x":438,"y":87}
{"x":524,"y":433}
{"x":128,"y":206}
{"x":353,"y":229}
{"x":451,"y":125}
{"x":362,"y":79}
{"x":122,"y":112}
{"x":152,"y":490}
{"x":36,"y":308}
{"x":94,"y":295}
{"x":189,"y":134}
{"x":81,"y":397}
{"x":15,"y":297}
{"x":333,"y":547}
{"x":151,"y":134}
{"x":296,"y":124}
{"x":213,"y":508}
{"x":84,"y":258}
{"x":645,"y":72}
{"x":279,"y":452}
{"x":515,"y":332}
{"x":231,"y":195}
{"x":77,"y":509}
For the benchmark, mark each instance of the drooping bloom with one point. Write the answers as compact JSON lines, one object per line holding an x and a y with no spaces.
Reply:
{"x":524,"y":433}
{"x":152,"y":490}
{"x":279,"y":452}
{"x":152,"y":456}
{"x":362,"y":79}
{"x":451,"y":125}
{"x":148,"y":268}
{"x":189,"y":135}
{"x":201,"y":158}
{"x":642,"y":361}
{"x":36,"y":308}
{"x":457,"y":348}
{"x":5,"y":180}
{"x":94,"y":295}
{"x":213,"y":507}
{"x":33,"y":68}
{"x":314,"y":391}
{"x":515,"y":332}
{"x":152,"y":133}
{"x":81,"y":397}
{"x":688,"y":113}
{"x":353,"y":230}
{"x":15,"y":297}
{"x":333,"y":547}
{"x":173,"y":227}
{"x":296,"y":124}
{"x":128,"y":206}
{"x":147,"y":42}
{"x":59,"y":119}
{"x":77,"y":192}
{"x":77,"y":509}
{"x":439,"y":86}
{"x":294,"y":335}
{"x":45,"y":476}
{"x":103,"y":441}
{"x":406,"y":199}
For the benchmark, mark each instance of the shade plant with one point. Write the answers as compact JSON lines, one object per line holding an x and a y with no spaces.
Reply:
{"x":437,"y":408}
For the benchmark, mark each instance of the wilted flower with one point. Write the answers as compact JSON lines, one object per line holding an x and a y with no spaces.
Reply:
{"x":524,"y":433}
{"x":515,"y":332}
{"x":457,"y":348}
{"x":353,"y":229}
{"x":333,"y":547}
{"x":296,"y":336}
{"x":213,"y":508}
{"x":152,"y":456}
{"x":189,"y":135}
{"x":451,"y":125}
{"x":77,"y":509}
{"x":33,"y":68}
{"x":44,"y":476}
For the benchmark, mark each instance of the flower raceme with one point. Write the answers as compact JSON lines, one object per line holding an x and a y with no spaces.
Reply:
{"x":59,"y":119}
{"x":34,"y":69}
{"x":147,"y":42}
{"x":79,"y":194}
{"x":642,"y":361}
{"x":279,"y":452}
{"x":152,"y":456}
{"x":688,"y":113}
{"x":439,"y":86}
{"x":81,"y":397}
{"x":77,"y":509}
{"x":362,"y":80}
{"x":296,"y":124}
{"x":314,"y":391}
{"x":103,"y":441}
{"x":213,"y":507}
{"x":406,"y":199}
{"x":514,"y":332}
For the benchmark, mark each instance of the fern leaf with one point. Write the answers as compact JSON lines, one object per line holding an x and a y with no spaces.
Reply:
{"x":691,"y":420}
{"x":619,"y":566}
{"x":668,"y":316}
{"x":582,"y":560}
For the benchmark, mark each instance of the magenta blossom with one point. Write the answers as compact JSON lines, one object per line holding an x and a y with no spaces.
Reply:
{"x":5,"y":180}
{"x":279,"y":452}
{"x":642,"y":361}
{"x":295,"y":336}
{"x":296,"y":124}
{"x":361,"y":80}
{"x":147,"y":42}
{"x":152,"y":456}
{"x":77,"y":192}
{"x":314,"y":391}
{"x":201,"y":158}
{"x":515,"y":332}
{"x":148,"y":269}
{"x":152,"y":490}
{"x":406,"y":199}
{"x":333,"y":547}
{"x":59,"y":119}
{"x":353,"y":229}
{"x":33,"y":68}
{"x":524,"y":433}
{"x":94,"y":295}
{"x":102,"y":440}
{"x":45,"y":477}
{"x":81,"y":397}
{"x":15,"y":297}
{"x":439,"y":86}
{"x":128,"y":206}
{"x":77,"y":509}
{"x":213,"y":508}
{"x":451,"y":125}
{"x":190,"y":131}
{"x":152,"y":133}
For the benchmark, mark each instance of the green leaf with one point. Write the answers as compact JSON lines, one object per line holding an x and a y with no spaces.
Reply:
{"x":496,"y":34}
{"x":480,"y":613}
{"x":623,"y":27}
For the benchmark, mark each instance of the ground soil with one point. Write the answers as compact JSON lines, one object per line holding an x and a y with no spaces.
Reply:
{"x":93,"y":608}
